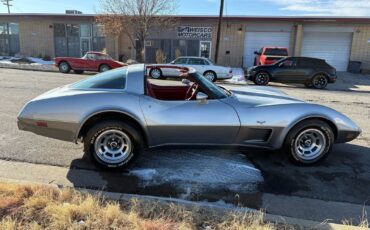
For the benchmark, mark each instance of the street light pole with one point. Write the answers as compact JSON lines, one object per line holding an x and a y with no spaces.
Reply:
{"x":219,"y":30}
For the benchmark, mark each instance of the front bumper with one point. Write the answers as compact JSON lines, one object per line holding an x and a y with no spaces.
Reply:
{"x":347,"y":136}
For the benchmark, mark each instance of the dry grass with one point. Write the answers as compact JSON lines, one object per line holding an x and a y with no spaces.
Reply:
{"x":44,"y":207}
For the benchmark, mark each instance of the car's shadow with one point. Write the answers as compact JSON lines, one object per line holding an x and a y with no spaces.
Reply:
{"x":193,"y":174}
{"x":343,"y":176}
{"x":226,"y":175}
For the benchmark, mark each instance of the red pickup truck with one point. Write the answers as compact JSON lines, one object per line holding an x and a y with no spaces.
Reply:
{"x":92,"y":61}
{"x":268,"y":55}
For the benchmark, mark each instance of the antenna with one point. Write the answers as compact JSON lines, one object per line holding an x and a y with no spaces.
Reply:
{"x":8,"y":4}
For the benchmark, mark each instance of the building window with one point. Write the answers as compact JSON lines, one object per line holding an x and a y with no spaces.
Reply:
{"x":172,"y":48}
{"x":74,"y":40}
{"x":9,"y":38}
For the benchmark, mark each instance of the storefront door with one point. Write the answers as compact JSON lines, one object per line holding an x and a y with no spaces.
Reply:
{"x":205,"y":49}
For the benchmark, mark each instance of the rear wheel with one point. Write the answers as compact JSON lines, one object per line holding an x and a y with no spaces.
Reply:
{"x":112,"y":144}
{"x":210,"y":75}
{"x":104,"y":68}
{"x":262,"y":78}
{"x":64,"y":67}
{"x":319,"y":81}
{"x":78,"y":71}
{"x":309,"y":142}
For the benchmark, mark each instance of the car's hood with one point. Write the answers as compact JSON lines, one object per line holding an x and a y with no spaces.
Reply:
{"x":262,"y":96}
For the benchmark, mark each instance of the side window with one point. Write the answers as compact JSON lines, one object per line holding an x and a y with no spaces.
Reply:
{"x":261,"y":51}
{"x":196,"y":61}
{"x":91,"y":56}
{"x":305,"y":62}
{"x":114,"y":79}
{"x":180,"y":61}
{"x":287,"y":63}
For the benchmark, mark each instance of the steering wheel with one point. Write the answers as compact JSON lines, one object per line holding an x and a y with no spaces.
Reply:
{"x":191,"y":91}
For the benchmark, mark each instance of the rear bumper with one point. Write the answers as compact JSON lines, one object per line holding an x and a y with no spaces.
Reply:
{"x":333,"y":78}
{"x":57,"y":130}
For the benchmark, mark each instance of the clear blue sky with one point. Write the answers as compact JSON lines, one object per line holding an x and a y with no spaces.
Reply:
{"x":210,"y":7}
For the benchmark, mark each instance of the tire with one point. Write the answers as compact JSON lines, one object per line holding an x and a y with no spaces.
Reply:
{"x":156,"y":74}
{"x":64,"y":67}
{"x":320,"y":81}
{"x":212,"y":76}
{"x":104,"y":68}
{"x":78,"y":71}
{"x":262,"y":78}
{"x":303,"y":140}
{"x":111,"y":135}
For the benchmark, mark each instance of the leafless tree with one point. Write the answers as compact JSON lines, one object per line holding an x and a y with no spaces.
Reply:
{"x":136,"y":18}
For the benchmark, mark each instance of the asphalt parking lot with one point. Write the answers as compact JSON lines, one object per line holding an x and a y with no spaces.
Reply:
{"x":344,"y":176}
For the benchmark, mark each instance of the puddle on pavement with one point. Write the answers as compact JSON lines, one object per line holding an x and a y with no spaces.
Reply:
{"x":197,"y":175}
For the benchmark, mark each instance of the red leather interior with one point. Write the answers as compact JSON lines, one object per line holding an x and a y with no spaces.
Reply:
{"x":169,"y":93}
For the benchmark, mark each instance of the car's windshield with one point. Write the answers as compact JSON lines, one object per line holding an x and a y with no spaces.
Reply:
{"x":276,"y":52}
{"x":211,"y":88}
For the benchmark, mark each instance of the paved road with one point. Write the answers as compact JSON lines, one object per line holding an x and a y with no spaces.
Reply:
{"x":345,"y":176}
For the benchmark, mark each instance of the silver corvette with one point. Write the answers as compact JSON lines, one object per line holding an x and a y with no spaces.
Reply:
{"x":119,"y":112}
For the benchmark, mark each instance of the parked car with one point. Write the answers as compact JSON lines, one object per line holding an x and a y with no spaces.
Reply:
{"x":311,"y":72}
{"x":269,"y":55}
{"x":117,"y":113}
{"x":202,"y":65}
{"x":92,"y":61}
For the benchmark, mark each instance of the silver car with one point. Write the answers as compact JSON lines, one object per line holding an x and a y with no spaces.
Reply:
{"x":202,"y":65}
{"x":118,"y":113}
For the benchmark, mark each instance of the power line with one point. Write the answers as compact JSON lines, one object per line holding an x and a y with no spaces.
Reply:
{"x":8,"y":4}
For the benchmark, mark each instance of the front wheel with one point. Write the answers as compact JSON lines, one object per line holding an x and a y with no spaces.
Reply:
{"x":210,"y":75}
{"x":262,"y":78}
{"x":112,"y":144}
{"x":156,"y":74}
{"x":309,"y":142}
{"x":64,"y":67}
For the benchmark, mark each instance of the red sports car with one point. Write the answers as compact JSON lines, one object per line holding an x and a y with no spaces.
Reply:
{"x":269,"y":55}
{"x":92,"y":61}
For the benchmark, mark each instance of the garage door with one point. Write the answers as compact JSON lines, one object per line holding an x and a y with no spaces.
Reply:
{"x":254,"y":41}
{"x":334,"y":47}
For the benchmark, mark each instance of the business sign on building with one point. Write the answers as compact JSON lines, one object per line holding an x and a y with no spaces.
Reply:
{"x":190,"y":32}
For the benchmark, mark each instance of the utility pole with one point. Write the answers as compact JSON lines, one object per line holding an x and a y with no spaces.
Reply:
{"x":219,"y":30}
{"x":8,"y":4}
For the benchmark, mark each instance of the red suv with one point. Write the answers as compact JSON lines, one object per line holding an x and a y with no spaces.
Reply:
{"x":269,"y":55}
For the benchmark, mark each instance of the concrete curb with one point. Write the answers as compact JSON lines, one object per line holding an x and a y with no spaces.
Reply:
{"x":20,"y":172}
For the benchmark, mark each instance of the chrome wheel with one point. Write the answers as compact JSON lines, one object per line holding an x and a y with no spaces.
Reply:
{"x":155,"y":73}
{"x":64,"y":67}
{"x":262,"y":79}
{"x":210,"y":76}
{"x":310,"y":144}
{"x":113,"y":146}
{"x":104,"y":68}
{"x":320,"y":81}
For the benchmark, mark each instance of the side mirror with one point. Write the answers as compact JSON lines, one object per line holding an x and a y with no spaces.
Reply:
{"x":256,"y":53}
{"x":202,"y":97}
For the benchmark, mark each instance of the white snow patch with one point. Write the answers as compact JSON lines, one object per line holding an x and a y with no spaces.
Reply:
{"x":238,"y":77}
{"x":37,"y":61}
{"x":144,"y":174}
